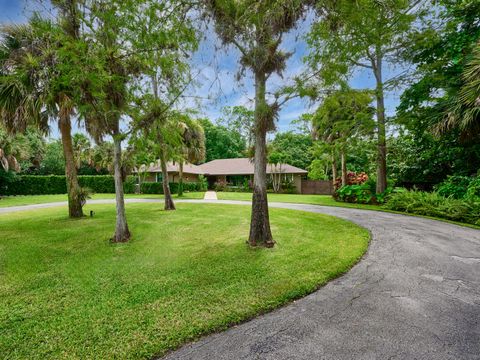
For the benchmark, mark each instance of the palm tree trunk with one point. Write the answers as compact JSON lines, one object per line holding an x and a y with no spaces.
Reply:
{"x":260,"y":233}
{"x":180,"y":178}
{"x":122,"y":233}
{"x":73,"y":188}
{"x":169,"y":204}
{"x":334,"y":170}
{"x":344,"y":167}
{"x":381,"y":132}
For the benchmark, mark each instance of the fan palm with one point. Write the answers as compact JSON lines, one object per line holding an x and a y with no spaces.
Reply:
{"x":34,"y":87}
{"x":464,"y":111}
{"x":12,"y":150}
{"x":344,"y":115}
{"x":82,"y":150}
{"x":192,"y":146}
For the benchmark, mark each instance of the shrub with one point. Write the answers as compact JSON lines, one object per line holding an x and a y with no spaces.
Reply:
{"x":85,"y":194}
{"x":353,"y":178}
{"x":363,"y":194}
{"x":203,"y":183}
{"x":288,"y":187}
{"x":454,"y":187}
{"x":247,"y":185}
{"x":473,"y":190}
{"x":151,"y":188}
{"x":157,"y":187}
{"x":355,"y":194}
{"x":436,"y":205}
{"x":220,"y":185}
{"x":56,"y":184}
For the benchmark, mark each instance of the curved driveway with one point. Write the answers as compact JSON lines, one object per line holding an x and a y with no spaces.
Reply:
{"x":415,"y":295}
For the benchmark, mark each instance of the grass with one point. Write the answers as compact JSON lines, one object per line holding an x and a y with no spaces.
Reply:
{"x":68,"y":293}
{"x":325,"y":200}
{"x":41,"y":199}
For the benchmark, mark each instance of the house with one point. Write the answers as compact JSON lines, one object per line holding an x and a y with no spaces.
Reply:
{"x":231,"y":171}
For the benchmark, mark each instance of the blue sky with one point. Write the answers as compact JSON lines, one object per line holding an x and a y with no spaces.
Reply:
{"x":217,"y":86}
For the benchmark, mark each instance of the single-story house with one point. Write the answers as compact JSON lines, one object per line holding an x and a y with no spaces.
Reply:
{"x":232,"y":171}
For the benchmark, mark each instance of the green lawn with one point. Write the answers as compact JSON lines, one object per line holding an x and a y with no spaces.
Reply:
{"x":41,"y":199}
{"x":326,"y":200}
{"x":68,"y":293}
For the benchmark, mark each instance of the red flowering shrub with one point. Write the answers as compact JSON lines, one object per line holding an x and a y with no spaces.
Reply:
{"x":353,"y":178}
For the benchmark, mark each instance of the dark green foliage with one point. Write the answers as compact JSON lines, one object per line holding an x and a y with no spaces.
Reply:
{"x":6,"y":178}
{"x":435,"y":205}
{"x":419,"y":159}
{"x":56,"y":184}
{"x":454,"y":187}
{"x":440,"y":56}
{"x":355,"y":194}
{"x":460,"y":187}
{"x":297,"y":147}
{"x":473,"y":190}
{"x":363,"y":192}
{"x":157,"y":188}
{"x":53,"y":162}
{"x":222,"y":143}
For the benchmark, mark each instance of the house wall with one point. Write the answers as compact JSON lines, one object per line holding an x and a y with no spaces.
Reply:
{"x":297,"y":180}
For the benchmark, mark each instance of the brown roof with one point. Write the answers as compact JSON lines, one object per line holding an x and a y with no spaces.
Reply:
{"x":173,"y":167}
{"x":244,"y":166}
{"x":239,"y":166}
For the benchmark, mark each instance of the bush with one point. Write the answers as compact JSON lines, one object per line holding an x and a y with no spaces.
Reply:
{"x":436,"y":205}
{"x":203,"y":183}
{"x":363,"y":194}
{"x":56,"y":184}
{"x":220,"y":185}
{"x":355,"y":194}
{"x":157,"y":187}
{"x":473,"y":190}
{"x":454,"y":187}
{"x":288,"y":187}
{"x":6,"y":178}
{"x":151,"y":188}
{"x":353,"y":178}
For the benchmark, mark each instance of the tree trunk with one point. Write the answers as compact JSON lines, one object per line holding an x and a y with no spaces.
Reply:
{"x":169,"y":205}
{"x":344,"y":168}
{"x":73,"y":188}
{"x":260,"y":233}
{"x":381,"y":132}
{"x":180,"y":178}
{"x":122,"y":234}
{"x":334,"y":170}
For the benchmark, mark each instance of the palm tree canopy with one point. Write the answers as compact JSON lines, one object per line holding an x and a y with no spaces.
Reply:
{"x":464,"y":111}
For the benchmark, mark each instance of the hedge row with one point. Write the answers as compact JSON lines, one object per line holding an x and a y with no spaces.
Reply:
{"x":56,"y":184}
{"x":157,"y":187}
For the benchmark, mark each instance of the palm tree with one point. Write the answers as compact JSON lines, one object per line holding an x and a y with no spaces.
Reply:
{"x":33,"y":89}
{"x":12,"y":150}
{"x":464,"y":111}
{"x":256,"y":29}
{"x":343,"y":115}
{"x":82,"y":150}
{"x":192,"y":147}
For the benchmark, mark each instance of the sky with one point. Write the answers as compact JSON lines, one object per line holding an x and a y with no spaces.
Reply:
{"x":216,"y":67}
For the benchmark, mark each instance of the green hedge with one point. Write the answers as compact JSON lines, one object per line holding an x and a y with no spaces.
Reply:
{"x":157,"y":187}
{"x":56,"y":184}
